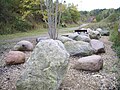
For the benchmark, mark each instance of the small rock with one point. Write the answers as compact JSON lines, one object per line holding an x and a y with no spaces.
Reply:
{"x":83,"y":38}
{"x":98,"y":46}
{"x":105,"y":33}
{"x":23,"y":46}
{"x":64,"y":39}
{"x":89,"y":30}
{"x":94,"y":35}
{"x":83,"y":29}
{"x":41,"y":38}
{"x":99,"y":30}
{"x":14,"y":57}
{"x":89,"y":63}
{"x":71,"y":35}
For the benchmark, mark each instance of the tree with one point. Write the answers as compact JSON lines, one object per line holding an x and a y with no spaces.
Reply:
{"x":75,"y":14}
{"x":53,"y":19}
{"x":70,"y":14}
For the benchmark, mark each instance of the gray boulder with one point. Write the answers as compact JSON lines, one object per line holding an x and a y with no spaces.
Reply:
{"x":83,"y":38}
{"x":23,"y":46}
{"x":94,"y":35}
{"x":78,"y":48}
{"x":46,"y":67}
{"x":89,"y":63}
{"x":105,"y":32}
{"x":64,"y":39}
{"x":98,"y":46}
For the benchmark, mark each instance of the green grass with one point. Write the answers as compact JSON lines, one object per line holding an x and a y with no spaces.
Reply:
{"x":23,"y":34}
{"x":35,"y":32}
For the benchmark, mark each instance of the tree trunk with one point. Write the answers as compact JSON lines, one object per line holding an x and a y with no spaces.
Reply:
{"x":53,"y":22}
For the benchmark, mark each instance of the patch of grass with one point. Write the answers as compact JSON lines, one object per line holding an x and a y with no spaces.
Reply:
{"x":24,"y":34}
{"x":116,"y":47}
{"x":97,"y":25}
{"x":35,"y":32}
{"x":72,"y":25}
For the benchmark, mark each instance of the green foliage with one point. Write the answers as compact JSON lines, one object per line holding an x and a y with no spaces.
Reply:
{"x":114,"y":33}
{"x":116,"y":47}
{"x":10,"y":19}
{"x":116,"y":41}
{"x":66,"y":16}
{"x":113,"y":17}
{"x":100,"y":14}
{"x":75,"y":14}
{"x":98,"y":25}
{"x":70,"y":14}
{"x":98,"y":18}
{"x":22,"y":26}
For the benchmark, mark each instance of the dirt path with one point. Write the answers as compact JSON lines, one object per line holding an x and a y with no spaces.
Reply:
{"x":74,"y":80}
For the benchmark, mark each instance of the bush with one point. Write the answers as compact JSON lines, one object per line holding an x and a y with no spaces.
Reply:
{"x":6,"y":28}
{"x":114,"y":33}
{"x":22,"y":26}
{"x":15,"y":26}
{"x":116,"y":47}
{"x":116,"y":41}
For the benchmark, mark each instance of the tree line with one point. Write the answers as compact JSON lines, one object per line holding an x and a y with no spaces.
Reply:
{"x":107,"y":15}
{"x":24,"y":15}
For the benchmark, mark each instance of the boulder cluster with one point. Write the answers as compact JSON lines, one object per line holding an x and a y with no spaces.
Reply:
{"x":17,"y":55}
{"x":48,"y":63}
{"x":86,"y":45}
{"x":83,"y":44}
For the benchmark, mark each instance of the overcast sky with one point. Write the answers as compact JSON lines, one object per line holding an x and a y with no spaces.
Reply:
{"x":95,"y":4}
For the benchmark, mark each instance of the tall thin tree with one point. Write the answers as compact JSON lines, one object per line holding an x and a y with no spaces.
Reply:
{"x":53,"y":19}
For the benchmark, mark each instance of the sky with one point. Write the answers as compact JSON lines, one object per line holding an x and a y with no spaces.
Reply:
{"x":87,"y":5}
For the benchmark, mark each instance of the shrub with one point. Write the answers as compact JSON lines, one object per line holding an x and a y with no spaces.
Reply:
{"x":22,"y":26}
{"x":114,"y":33}
{"x":15,"y":26}
{"x":116,"y":41}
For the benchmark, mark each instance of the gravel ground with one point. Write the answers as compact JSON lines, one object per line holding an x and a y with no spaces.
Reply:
{"x":105,"y":79}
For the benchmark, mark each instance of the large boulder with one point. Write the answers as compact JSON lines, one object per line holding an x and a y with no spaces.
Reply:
{"x":23,"y":46}
{"x":78,"y":48}
{"x":64,"y":39}
{"x":83,"y":38}
{"x":89,"y":63}
{"x":46,"y":67}
{"x":14,"y":57}
{"x":98,"y":46}
{"x":94,"y":35}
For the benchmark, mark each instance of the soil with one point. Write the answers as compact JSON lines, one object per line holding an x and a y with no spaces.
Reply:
{"x":105,"y":79}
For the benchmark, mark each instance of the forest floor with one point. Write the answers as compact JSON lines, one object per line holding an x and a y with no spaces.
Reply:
{"x":105,"y":79}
